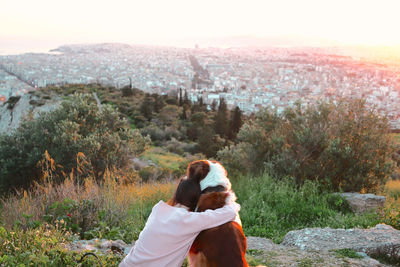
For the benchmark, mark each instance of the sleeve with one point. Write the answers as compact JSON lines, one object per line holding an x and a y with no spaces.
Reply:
{"x":199,"y":221}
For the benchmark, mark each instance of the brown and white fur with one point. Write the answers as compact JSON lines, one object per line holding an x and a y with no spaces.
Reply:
{"x":224,"y":245}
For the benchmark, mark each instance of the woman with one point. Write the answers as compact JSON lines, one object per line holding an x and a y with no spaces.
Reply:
{"x":172,"y":227}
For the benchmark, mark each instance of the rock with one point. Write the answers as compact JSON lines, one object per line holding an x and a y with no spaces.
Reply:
{"x":381,"y":239}
{"x":27,"y":105}
{"x":102,"y":246}
{"x":360,"y":203}
{"x":270,"y":254}
{"x":260,"y":243}
{"x":139,"y":164}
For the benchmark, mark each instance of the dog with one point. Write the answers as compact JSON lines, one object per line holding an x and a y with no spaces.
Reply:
{"x":224,"y":245}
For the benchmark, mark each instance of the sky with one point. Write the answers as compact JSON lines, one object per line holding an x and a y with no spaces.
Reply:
{"x":36,"y":23}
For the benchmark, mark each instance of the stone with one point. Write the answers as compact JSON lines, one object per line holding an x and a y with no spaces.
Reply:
{"x":11,"y":118}
{"x":374,"y":241}
{"x":271,"y":254}
{"x":360,"y":203}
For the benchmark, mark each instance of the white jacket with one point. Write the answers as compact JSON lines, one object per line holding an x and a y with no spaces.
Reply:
{"x":170,"y":231}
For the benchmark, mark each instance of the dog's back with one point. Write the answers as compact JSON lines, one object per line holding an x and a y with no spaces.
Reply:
{"x":221,"y":246}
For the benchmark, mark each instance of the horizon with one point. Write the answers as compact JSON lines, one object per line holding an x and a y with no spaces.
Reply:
{"x":40,"y":25}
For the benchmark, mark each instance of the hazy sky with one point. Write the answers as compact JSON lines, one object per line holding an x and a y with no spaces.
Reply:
{"x":369,"y":22}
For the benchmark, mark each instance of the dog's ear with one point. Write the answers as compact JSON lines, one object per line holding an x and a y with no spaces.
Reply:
{"x":198,"y":170}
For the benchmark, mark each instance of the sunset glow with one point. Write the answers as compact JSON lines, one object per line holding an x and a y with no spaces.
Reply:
{"x":185,"y":22}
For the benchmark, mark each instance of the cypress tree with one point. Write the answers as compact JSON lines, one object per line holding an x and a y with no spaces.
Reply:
{"x":180,"y":97}
{"x":146,"y":108}
{"x":235,"y":123}
{"x":221,"y":119}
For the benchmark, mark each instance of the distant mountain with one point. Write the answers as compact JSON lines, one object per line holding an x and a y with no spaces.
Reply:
{"x":255,"y":41}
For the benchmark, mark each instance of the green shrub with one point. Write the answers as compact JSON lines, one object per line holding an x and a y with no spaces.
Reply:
{"x":44,"y":246}
{"x":271,"y":208}
{"x":77,"y":126}
{"x":79,"y":217}
{"x":12,"y":101}
{"x":344,"y":145}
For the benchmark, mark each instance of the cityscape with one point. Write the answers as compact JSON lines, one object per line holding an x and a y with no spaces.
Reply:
{"x":249,"y":77}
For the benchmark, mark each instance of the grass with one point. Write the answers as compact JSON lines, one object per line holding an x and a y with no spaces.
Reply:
{"x":165,"y":159}
{"x":391,"y":212}
{"x":118,"y":209}
{"x":90,"y":208}
{"x":44,"y":246}
{"x":347,"y":252}
{"x":271,"y":208}
{"x":392,"y":189}
{"x":31,"y":234}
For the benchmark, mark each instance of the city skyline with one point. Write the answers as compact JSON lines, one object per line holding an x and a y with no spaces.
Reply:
{"x":41,"y":25}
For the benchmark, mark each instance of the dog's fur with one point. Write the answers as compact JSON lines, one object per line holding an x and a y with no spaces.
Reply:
{"x":221,"y":246}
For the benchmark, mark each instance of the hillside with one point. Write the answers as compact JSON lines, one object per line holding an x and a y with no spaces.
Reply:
{"x":86,"y":170}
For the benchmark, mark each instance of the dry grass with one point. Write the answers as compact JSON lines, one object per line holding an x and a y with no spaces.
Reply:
{"x":115,"y":196}
{"x":392,"y":189}
{"x":391,"y":211}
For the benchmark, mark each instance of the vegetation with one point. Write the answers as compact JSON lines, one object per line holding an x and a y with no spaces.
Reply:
{"x":44,"y":246}
{"x":271,"y":208}
{"x":283,"y":168}
{"x":167,"y":118}
{"x":347,"y":252}
{"x":76,"y":126}
{"x":391,"y":212}
{"x":344,"y":146}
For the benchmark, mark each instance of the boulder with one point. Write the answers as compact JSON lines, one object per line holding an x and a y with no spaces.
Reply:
{"x":379,"y":240}
{"x":271,"y":254}
{"x":12,"y":116}
{"x":360,"y":203}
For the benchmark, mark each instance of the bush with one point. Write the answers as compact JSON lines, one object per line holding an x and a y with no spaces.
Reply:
{"x":271,"y":208}
{"x":44,"y":246}
{"x":76,"y":126}
{"x":12,"y":101}
{"x":343,"y":145}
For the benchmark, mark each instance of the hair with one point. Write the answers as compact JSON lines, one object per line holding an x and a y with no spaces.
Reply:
{"x":187,"y":193}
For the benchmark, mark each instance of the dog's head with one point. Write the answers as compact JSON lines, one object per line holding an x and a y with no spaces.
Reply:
{"x":209,"y":175}
{"x":203,"y":176}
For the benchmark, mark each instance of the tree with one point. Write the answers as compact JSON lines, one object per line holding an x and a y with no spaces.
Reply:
{"x":76,"y":126}
{"x":146,"y":108}
{"x":214,"y":106}
{"x":186,"y":100}
{"x":183,"y":115}
{"x":158,"y":103}
{"x":196,"y":125}
{"x":209,"y":143}
{"x":127,"y":90}
{"x":221,"y":119}
{"x":180,"y":97}
{"x":169,"y":115}
{"x":343,"y":145}
{"x":235,"y":123}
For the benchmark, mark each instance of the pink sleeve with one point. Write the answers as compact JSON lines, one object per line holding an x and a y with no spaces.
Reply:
{"x":199,"y":221}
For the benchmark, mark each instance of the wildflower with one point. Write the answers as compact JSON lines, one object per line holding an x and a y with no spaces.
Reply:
{"x":69,"y":215}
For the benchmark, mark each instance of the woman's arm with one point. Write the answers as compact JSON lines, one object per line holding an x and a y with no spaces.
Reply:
{"x":199,"y":221}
